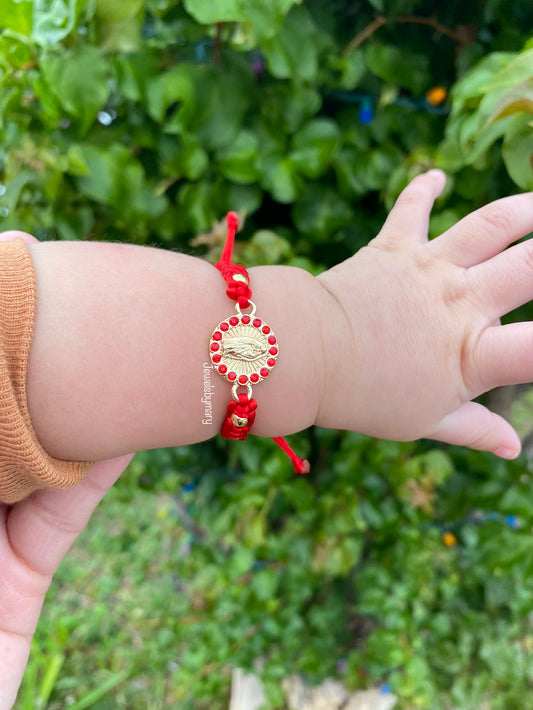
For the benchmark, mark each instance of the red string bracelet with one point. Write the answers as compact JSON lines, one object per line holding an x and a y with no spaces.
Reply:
{"x":244,"y":350}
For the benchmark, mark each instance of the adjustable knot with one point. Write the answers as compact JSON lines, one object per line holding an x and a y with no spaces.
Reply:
{"x":239,"y":418}
{"x":236,"y":278}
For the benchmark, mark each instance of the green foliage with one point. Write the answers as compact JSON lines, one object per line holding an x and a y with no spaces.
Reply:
{"x":408,"y":564}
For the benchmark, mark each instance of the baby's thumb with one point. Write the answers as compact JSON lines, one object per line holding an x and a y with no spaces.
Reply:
{"x":477,"y":427}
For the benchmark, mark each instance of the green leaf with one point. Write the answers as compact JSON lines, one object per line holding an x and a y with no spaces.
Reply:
{"x":266,"y":247}
{"x":176,"y":86}
{"x":116,"y":179}
{"x":519,"y":99}
{"x":398,"y":67}
{"x":237,"y":161}
{"x":17,"y":16}
{"x":373,"y":168}
{"x":78,"y":79}
{"x":517,"y":152}
{"x":287,"y":106}
{"x":473,"y":83}
{"x":223,"y":100}
{"x":198,"y":208}
{"x":265,"y":16}
{"x":278,"y":175}
{"x":351,"y":69}
{"x":102,"y":690}
{"x":53,"y":21}
{"x":320,"y":212}
{"x":314,"y":146}
{"x":183,"y":156}
{"x":293,"y":52}
{"x":519,"y":69}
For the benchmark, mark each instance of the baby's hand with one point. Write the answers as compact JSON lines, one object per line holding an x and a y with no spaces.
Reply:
{"x":414,"y":333}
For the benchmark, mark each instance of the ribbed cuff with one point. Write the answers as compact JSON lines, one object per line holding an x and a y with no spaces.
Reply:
{"x":24,"y":464}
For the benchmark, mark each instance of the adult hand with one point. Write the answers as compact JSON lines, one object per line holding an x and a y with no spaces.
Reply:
{"x":34,"y":537}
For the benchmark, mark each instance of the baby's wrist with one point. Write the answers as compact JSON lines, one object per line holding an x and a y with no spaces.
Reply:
{"x":290,"y":300}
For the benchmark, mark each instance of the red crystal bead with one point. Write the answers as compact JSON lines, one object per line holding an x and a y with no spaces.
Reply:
{"x":271,"y":362}
{"x":245,"y":320}
{"x":256,"y":323}
{"x":264,"y":371}
{"x":233,"y":320}
{"x":216,"y":358}
{"x":266,"y":329}
{"x":271,"y":339}
{"x":224,"y":326}
{"x":254,"y":377}
{"x":232,"y":375}
{"x":222,"y":369}
{"x":215,"y":347}
{"x":217,"y":335}
{"x":273,"y":351}
{"x":243,"y":379}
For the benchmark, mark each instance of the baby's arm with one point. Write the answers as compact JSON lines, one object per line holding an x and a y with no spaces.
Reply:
{"x":394,"y":342}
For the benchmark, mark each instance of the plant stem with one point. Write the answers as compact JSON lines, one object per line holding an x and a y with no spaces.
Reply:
{"x":369,"y":30}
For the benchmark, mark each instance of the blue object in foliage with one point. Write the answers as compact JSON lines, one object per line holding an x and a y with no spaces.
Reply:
{"x":366,"y":112}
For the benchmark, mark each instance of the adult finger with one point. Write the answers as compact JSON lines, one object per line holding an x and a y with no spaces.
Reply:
{"x":484,"y":233}
{"x":408,"y":220}
{"x":15,"y":234}
{"x":504,"y":282}
{"x":475,"y":426}
{"x":43,"y":527}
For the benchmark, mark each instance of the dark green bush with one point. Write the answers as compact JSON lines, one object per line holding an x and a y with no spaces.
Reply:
{"x":404,"y":564}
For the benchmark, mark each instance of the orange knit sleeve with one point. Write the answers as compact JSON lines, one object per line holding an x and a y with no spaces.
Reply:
{"x":24,"y":464}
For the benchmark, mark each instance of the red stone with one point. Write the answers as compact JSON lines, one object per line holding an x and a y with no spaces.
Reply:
{"x":254,"y":377}
{"x":245,"y":320}
{"x":271,"y":362}
{"x":224,"y":326}
{"x":216,"y":358}
{"x":217,"y":335}
{"x":232,"y":375}
{"x":215,"y":346}
{"x":243,"y":379}
{"x":264,"y":371}
{"x":233,"y":320}
{"x":273,"y":351}
{"x":266,"y":329}
{"x":271,"y":339}
{"x":256,"y":323}
{"x":222,"y":369}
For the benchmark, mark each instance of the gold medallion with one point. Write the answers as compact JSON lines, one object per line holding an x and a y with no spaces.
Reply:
{"x":243,"y":348}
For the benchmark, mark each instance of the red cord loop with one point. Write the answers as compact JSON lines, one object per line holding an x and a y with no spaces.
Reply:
{"x":235,"y":275}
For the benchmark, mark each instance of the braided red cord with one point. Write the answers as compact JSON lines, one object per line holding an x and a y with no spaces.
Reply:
{"x":238,"y":289}
{"x":239,"y":418}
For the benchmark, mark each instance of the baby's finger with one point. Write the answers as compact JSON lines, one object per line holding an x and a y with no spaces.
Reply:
{"x":484,"y":233}
{"x":504,"y":282}
{"x":477,"y":427}
{"x":408,"y":220}
{"x":502,"y":356}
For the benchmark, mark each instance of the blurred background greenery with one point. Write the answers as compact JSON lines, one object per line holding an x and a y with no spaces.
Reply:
{"x":406,"y":565}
